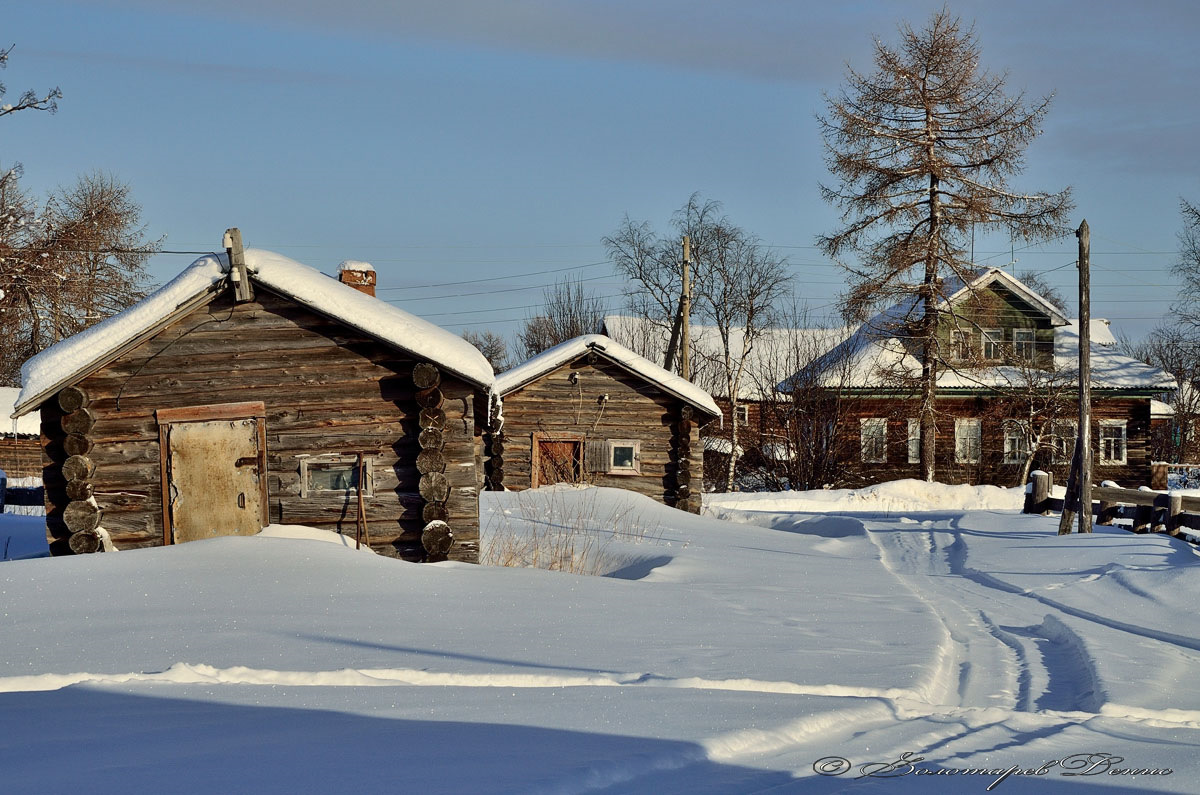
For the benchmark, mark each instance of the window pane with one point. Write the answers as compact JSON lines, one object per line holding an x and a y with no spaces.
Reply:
{"x":622,"y":456}
{"x":993,"y":338}
{"x":914,"y":441}
{"x":332,"y":477}
{"x":967,"y":441}
{"x":874,"y":439}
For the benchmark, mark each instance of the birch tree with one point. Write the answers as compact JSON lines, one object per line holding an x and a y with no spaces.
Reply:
{"x":923,"y":148}
{"x":737,"y":285}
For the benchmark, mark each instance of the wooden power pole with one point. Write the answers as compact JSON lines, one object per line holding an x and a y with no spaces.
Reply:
{"x":1085,"y":378}
{"x":681,"y":327}
{"x":685,"y":312}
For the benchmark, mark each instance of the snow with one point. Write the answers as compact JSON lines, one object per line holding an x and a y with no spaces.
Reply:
{"x":28,"y":425}
{"x":549,"y":360}
{"x":76,"y":356}
{"x":356,"y":266}
{"x":719,"y":657}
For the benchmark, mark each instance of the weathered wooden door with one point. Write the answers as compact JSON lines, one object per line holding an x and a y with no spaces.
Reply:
{"x":559,"y":461}
{"x":213,"y":479}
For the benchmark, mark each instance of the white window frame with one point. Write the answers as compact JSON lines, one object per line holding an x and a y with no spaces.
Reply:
{"x":914,"y":440}
{"x":993,"y":343}
{"x":1123,"y":437}
{"x":635,"y":465}
{"x":966,"y":431}
{"x":960,"y":344}
{"x":309,"y":463}
{"x":1024,"y":343}
{"x":872,"y":431}
{"x":1063,"y":445}
{"x":743,"y":413}
{"x":1016,"y":442}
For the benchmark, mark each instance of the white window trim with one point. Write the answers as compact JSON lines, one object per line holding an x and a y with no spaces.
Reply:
{"x":864,"y":435}
{"x":961,"y":426}
{"x":1124,"y":442}
{"x":1060,"y":456}
{"x":331,"y":460}
{"x":960,"y":344}
{"x":742,"y":410}
{"x":914,"y":436}
{"x":1024,"y":343}
{"x":993,"y":338}
{"x":635,"y":468}
{"x":1015,"y":454}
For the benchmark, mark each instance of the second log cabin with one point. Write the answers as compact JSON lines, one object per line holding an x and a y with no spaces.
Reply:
{"x":592,"y":411}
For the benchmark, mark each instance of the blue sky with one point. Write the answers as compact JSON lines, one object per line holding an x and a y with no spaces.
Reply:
{"x":462,"y":143}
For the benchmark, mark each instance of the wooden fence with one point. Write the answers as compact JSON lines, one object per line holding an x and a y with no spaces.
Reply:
{"x":1149,"y":511}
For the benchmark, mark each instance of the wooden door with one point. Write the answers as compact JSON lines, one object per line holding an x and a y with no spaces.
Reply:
{"x":214,"y":478}
{"x":559,"y":461}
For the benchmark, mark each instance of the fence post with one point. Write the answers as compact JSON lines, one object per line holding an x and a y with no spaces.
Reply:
{"x":1037,"y":492}
{"x":1158,"y":475}
{"x":1107,"y":510}
{"x":1143,"y":515}
{"x":1174,"y":511}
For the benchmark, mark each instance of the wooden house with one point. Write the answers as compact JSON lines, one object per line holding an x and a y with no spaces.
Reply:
{"x":261,"y":392}
{"x":1006,"y":391}
{"x":592,"y":411}
{"x":20,"y":450}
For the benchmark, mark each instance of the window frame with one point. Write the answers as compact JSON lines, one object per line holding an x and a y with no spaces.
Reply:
{"x":914,"y":436}
{"x":635,"y":464}
{"x":327,"y":461}
{"x":1018,"y":431}
{"x":1024,"y":349}
{"x":1061,"y":449}
{"x":1101,"y":452}
{"x":992,"y":340}
{"x":742,"y":413}
{"x":866,"y":453}
{"x":960,"y":344}
{"x":966,"y":429}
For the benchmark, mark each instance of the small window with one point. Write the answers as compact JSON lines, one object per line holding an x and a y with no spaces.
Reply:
{"x":624,"y":456}
{"x":914,"y":441}
{"x":1023,"y":343}
{"x":968,"y":440}
{"x":1016,"y":442}
{"x":743,"y":414}
{"x":1112,"y":442}
{"x":960,"y":345}
{"x":993,"y":343}
{"x":333,"y":474}
{"x":873,"y":432}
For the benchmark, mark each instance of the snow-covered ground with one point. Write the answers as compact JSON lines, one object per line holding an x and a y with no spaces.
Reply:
{"x":719,"y":657}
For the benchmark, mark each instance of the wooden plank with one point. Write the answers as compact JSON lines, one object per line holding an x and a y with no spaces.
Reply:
{"x":218,"y":411}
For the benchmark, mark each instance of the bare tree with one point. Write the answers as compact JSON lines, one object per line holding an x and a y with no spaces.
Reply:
{"x":1175,"y":350}
{"x":1188,"y":266}
{"x":1039,"y":284}
{"x":492,"y":346}
{"x":924,"y":148}
{"x":29,"y":100}
{"x":569,"y":312}
{"x":67,"y":263}
{"x":737,"y":284}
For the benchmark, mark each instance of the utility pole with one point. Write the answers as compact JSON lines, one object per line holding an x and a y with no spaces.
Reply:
{"x":1085,"y":378}
{"x":681,"y":326}
{"x":685,"y":311}
{"x":238,"y":273}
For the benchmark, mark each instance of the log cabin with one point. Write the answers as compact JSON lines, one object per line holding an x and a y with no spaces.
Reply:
{"x":257,"y":392}
{"x":592,"y":411}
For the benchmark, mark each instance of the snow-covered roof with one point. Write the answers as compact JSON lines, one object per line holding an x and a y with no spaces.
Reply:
{"x":79,"y":355}
{"x":867,"y":360}
{"x":549,"y":360}
{"x":1160,"y":410}
{"x":356,"y":266}
{"x":29,"y":425}
{"x":776,"y":353}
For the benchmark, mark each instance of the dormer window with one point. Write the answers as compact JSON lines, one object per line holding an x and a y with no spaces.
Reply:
{"x":960,"y":345}
{"x":993,"y":343}
{"x":1023,"y":343}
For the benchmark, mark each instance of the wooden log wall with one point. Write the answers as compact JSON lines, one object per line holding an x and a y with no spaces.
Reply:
{"x":327,"y":390}
{"x":635,"y":410}
{"x":991,"y":469}
{"x":20,"y":456}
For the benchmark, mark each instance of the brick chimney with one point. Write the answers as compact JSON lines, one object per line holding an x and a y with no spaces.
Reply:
{"x":359,"y":275}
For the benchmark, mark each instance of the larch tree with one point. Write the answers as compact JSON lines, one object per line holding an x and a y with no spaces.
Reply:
{"x":923,"y":149}
{"x":1187,"y":268}
{"x":569,"y":311}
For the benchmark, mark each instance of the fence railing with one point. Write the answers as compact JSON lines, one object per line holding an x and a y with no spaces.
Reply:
{"x":1149,"y":511}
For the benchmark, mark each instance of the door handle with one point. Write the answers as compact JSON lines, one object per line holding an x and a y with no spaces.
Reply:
{"x":246,"y":461}
{"x":242,"y":500}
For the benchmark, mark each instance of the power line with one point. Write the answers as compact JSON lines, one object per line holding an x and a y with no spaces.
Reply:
{"x":498,"y":278}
